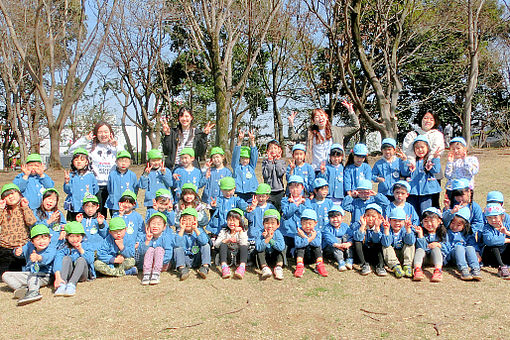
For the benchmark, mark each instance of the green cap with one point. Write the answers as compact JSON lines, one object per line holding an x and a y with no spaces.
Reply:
{"x":34,"y":157}
{"x":245,"y":151}
{"x":154,"y":154}
{"x":9,"y":186}
{"x":239,"y":211}
{"x":227,"y":183}
{"x":272,"y":213}
{"x":163,"y":193}
{"x":217,"y":151}
{"x":123,"y":154}
{"x":81,"y":151}
{"x":52,"y":190}
{"x":188,"y":151}
{"x":90,"y":198}
{"x":190,"y":211}
{"x":130,"y":194}
{"x":117,"y":223}
{"x":158,"y":214}
{"x":189,"y":186}
{"x":39,"y":229}
{"x":263,"y":189}
{"x":74,"y":228}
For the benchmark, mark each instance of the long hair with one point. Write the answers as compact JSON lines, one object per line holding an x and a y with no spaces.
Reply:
{"x":194,"y":203}
{"x":314,"y":129}
{"x":87,"y":168}
{"x":237,"y":216}
{"x":350,"y":159}
{"x":95,"y":141}
{"x":456,"y":193}
{"x":40,"y":212}
{"x":441,"y":229}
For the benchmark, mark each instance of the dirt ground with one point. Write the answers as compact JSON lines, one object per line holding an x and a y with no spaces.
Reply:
{"x":343,"y":305}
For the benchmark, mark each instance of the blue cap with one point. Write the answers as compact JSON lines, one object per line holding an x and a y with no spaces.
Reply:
{"x":273,"y":141}
{"x":495,"y":196}
{"x":397,"y":214}
{"x":460,"y":184}
{"x":360,"y":150}
{"x":433,"y":210}
{"x":296,"y":179}
{"x":319,"y":183}
{"x":336,"y":147}
{"x":465,"y":213}
{"x":336,"y":208}
{"x":405,"y":184}
{"x":309,"y":214}
{"x":299,"y":147}
{"x":458,"y":140}
{"x":421,"y":138}
{"x":493,"y":209}
{"x":374,"y":206}
{"x":388,"y":141}
{"x":364,"y":184}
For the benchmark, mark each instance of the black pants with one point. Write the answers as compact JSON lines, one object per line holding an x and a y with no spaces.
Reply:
{"x":276,"y":199}
{"x":496,"y":255}
{"x":273,"y":257}
{"x":71,"y":216}
{"x":246,"y":196}
{"x":227,"y":254}
{"x":9,"y":262}
{"x":310,"y":254}
{"x":102,"y":196}
{"x":290,"y":243}
{"x":369,"y":254}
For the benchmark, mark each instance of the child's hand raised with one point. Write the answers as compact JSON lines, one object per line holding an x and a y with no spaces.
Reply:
{"x":148,"y":235}
{"x":176,"y":177}
{"x":67,"y":176}
{"x":456,"y":208}
{"x":100,"y":218}
{"x":34,"y":257}
{"x":62,"y":235}
{"x":25,"y":171}
{"x":213,"y":202}
{"x":386,"y":225}
{"x":400,"y":154}
{"x":78,"y":218}
{"x":23,"y":202}
{"x":292,"y":165}
{"x":451,"y":156}
{"x":301,"y":233}
{"x":240,"y":136}
{"x":56,"y":217}
{"x":362,"y":223}
{"x":411,"y":166}
{"x":18,"y":251}
{"x":446,"y":202}
{"x":119,"y":259}
{"x":254,"y":201}
{"x":408,"y":225}
{"x":323,"y":167}
{"x":419,"y":231}
{"x":354,"y":193}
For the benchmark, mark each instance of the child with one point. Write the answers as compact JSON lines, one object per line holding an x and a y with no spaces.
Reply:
{"x":357,"y":168}
{"x":423,"y":183}
{"x":292,"y":208}
{"x":367,"y":240}
{"x":496,"y":236}
{"x":357,"y":202}
{"x":320,"y":203}
{"x":308,"y":241}
{"x":32,"y":181}
{"x":94,"y":224}
{"x":189,"y":199}
{"x":497,"y":197}
{"x":232,"y":238}
{"x":273,"y":170}
{"x":256,"y":211}
{"x":462,"y":196}
{"x":460,"y":165}
{"x":223,"y":204}
{"x":298,"y":167}
{"x":386,"y":171}
{"x":73,"y":263}
{"x":187,"y":173}
{"x":78,"y":182}
{"x":49,"y":215}
{"x":15,"y":219}
{"x":270,"y":245}
{"x":431,"y":240}
{"x":163,"y":204}
{"x":244,"y":162}
{"x":154,"y":177}
{"x":401,"y":191}
{"x":115,"y":257}
{"x":120,"y":179}
{"x":158,"y":248}
{"x":333,"y":173}
{"x":39,"y":255}
{"x":462,"y":244}
{"x":398,"y":241}
{"x":215,"y":171}
{"x":337,"y":239}
{"x":192,"y":247}
{"x":135,"y":226}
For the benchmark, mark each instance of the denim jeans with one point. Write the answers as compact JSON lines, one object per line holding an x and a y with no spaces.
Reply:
{"x":465,"y":256}
{"x":203,"y":257}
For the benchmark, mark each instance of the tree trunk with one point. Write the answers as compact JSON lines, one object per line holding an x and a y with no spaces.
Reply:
{"x":470,"y":91}
{"x":222,"y":119}
{"x":143,"y":151}
{"x":129,"y":145}
{"x":54,"y":132}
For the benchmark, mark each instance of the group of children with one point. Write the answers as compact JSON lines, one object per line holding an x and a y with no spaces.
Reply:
{"x":238,"y":221}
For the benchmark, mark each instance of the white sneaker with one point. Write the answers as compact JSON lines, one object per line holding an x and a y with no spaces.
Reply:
{"x":266,"y":273}
{"x":278,"y":273}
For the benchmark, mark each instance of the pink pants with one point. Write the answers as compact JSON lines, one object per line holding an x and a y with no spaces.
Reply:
{"x":153,"y":260}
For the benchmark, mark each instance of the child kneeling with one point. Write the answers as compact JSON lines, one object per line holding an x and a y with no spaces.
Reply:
{"x":270,"y":245}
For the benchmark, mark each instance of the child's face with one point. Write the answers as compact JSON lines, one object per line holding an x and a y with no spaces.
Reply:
{"x":217,"y":160}
{"x":50,"y":202}
{"x":80,"y":162}
{"x":421,"y":149}
{"x":388,"y":152}
{"x":431,"y":223}
{"x":457,"y":224}
{"x":322,"y":192}
{"x":358,"y":160}
{"x":262,"y":199}
{"x":33,"y":167}
{"x":228,"y":193}
{"x":400,"y":195}
{"x":155,"y":163}
{"x":274,"y":150}
{"x":41,"y":242}
{"x":336,"y":220}
{"x":103,"y":134}
{"x":271,"y":224}
{"x":157,"y":225}
{"x":13,"y":198}
{"x":118,"y":234}
{"x":74,"y":239}
{"x":188,"y":222}
{"x":299,"y":156}
{"x":126,"y":206}
{"x":295,"y":189}
{"x":364,"y":194}
{"x":245,"y":161}
{"x":459,"y":151}
{"x":396,"y":225}
{"x":188,"y":197}
{"x":308,"y":225}
{"x":163,"y":204}
{"x":186,"y":160}
{"x":123,"y":164}
{"x":495,"y":221}
{"x":371,"y":217}
{"x":233,"y":224}
{"x":90,"y":208}
{"x":336,"y":158}
{"x":464,"y":198}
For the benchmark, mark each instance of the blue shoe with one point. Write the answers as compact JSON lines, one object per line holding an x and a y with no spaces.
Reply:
{"x":61,"y":290}
{"x":341,"y":266}
{"x":70,"y":289}
{"x":131,"y":271}
{"x":349,"y":263}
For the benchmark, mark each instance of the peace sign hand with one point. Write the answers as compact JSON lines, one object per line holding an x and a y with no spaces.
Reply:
{"x":208,"y":127}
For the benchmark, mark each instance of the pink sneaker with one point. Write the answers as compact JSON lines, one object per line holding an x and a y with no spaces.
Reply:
{"x":240,"y":272}
{"x":225,"y":272}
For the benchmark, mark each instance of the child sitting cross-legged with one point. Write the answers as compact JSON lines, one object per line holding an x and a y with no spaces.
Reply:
{"x":270,"y":245}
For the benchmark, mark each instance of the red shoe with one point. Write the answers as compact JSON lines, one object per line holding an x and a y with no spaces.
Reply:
{"x":418,"y":274}
{"x":437,"y":276}
{"x":321,"y":269}
{"x":300,"y":270}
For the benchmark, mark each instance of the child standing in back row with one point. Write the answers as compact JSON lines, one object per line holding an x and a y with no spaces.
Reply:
{"x":215,"y":170}
{"x":386,"y":171}
{"x":32,"y":181}
{"x":120,"y":180}
{"x":244,"y":162}
{"x":333,"y":173}
{"x":357,"y":168}
{"x":273,"y":170}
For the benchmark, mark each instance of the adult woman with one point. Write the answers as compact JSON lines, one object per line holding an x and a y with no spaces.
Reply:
{"x":321,"y":134}
{"x":184,"y":136}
